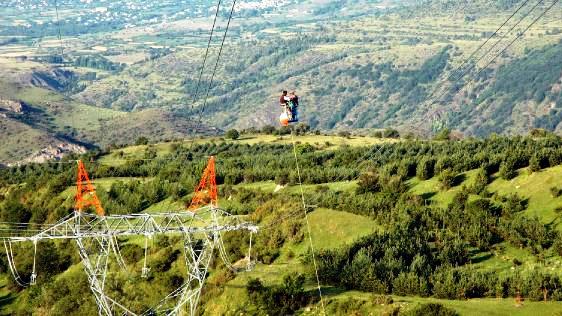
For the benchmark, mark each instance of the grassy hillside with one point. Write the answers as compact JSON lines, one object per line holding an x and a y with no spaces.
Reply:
{"x":345,"y":216}
{"x":50,"y":118}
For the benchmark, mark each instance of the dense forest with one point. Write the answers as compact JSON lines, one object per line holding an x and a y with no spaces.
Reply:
{"x":423,"y":249}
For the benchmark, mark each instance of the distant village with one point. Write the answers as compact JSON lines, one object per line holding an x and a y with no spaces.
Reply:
{"x":126,"y":13}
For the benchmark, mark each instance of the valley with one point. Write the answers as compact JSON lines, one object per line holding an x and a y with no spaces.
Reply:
{"x":356,"y":65}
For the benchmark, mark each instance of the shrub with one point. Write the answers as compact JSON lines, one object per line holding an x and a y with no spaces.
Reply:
{"x":132,"y":253}
{"x":379,"y":299}
{"x":513,"y":203}
{"x":345,"y":134}
{"x":164,"y":263}
{"x":348,"y":306}
{"x":391,"y":133}
{"x":232,"y":134}
{"x":433,"y":309}
{"x":508,"y":170}
{"x":447,"y":179}
{"x":425,"y":168}
{"x":369,"y":182}
{"x":555,"y":191}
{"x":284,"y":299}
{"x":141,"y":141}
{"x":377,"y":134}
{"x":444,"y":134}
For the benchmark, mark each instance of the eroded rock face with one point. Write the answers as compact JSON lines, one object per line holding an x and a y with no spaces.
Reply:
{"x":12,"y":106}
{"x":53,"y":152}
{"x":54,"y":79}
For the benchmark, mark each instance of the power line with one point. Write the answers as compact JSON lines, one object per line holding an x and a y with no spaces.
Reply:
{"x":217,"y":62}
{"x":518,"y":36}
{"x":500,"y":40}
{"x":432,"y":97}
{"x":444,"y":92}
{"x":307,"y":223}
{"x":206,"y":55}
{"x":489,"y":38}
{"x":491,"y":61}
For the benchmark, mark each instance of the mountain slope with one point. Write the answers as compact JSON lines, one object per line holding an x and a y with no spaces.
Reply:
{"x":354,"y":65}
{"x":366,"y":72}
{"x":47,"y":118}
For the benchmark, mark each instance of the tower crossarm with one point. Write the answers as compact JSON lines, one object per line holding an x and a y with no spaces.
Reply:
{"x":82,"y":225}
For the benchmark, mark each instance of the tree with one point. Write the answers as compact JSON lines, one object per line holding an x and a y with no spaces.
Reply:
{"x":14,"y":212}
{"x":268,"y":129}
{"x":141,"y":141}
{"x":369,"y":182}
{"x":391,"y":133}
{"x":538,"y":132}
{"x":302,"y":129}
{"x":407,"y":169}
{"x":447,"y":179}
{"x":481,"y":181}
{"x":534,"y":164}
{"x":282,"y":179}
{"x":508,"y":170}
{"x":425,"y":167}
{"x":232,"y":134}
{"x":443,"y":134}
{"x":443,"y":163}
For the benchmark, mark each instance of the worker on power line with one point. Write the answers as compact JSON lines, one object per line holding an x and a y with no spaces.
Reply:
{"x":290,"y":105}
{"x":283,"y":98}
{"x":284,"y":103}
{"x":294,"y":105}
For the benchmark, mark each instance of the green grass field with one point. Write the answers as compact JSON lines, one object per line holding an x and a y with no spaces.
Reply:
{"x":536,"y":188}
{"x":332,"y":229}
{"x":329,"y":229}
{"x":473,"y":307}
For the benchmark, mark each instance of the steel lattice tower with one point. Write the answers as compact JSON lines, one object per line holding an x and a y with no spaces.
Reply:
{"x":96,"y":235}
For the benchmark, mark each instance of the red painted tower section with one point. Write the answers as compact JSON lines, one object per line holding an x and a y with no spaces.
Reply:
{"x":207,"y":191}
{"x":85,"y":192}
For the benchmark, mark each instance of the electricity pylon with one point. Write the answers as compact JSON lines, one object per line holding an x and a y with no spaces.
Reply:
{"x":96,"y":237}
